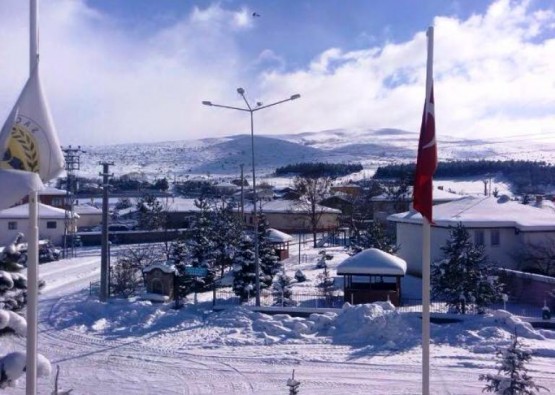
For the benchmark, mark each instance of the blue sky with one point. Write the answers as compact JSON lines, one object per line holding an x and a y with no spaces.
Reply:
{"x":137,"y":70}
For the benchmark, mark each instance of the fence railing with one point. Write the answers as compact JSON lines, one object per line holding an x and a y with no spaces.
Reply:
{"x":227,"y":297}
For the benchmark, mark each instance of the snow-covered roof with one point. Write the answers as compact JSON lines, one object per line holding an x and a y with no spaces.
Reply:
{"x":86,"y":209}
{"x":51,"y":191}
{"x":162,"y":266}
{"x":439,"y":195}
{"x":373,"y":261}
{"x":484,"y":212}
{"x":179,"y":204}
{"x":226,"y":185}
{"x":45,"y":212}
{"x":276,"y":236}
{"x":289,"y":206}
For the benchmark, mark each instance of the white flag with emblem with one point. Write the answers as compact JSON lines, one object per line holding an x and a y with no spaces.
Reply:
{"x":30,"y":153}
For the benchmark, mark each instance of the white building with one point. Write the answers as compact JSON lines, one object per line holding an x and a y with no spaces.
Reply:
{"x":51,"y":223}
{"x":502,"y":226}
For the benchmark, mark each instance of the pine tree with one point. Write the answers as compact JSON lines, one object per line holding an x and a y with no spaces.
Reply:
{"x":465,"y":275}
{"x":13,"y":284}
{"x":375,"y":236}
{"x":227,"y":232}
{"x":151,"y":213}
{"x":244,"y":273}
{"x":512,"y":376}
{"x":281,"y":289}
{"x":269,"y":261}
{"x":201,"y":242}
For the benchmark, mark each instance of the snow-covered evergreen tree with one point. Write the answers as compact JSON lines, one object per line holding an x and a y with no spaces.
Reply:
{"x":244,"y":273}
{"x":512,"y":376}
{"x":269,"y":261}
{"x":13,"y":289}
{"x":201,"y":242}
{"x":281,"y":290}
{"x":375,"y":236}
{"x":152,"y":214}
{"x":13,"y":297}
{"x":227,"y":231}
{"x":464,"y":276}
{"x":178,"y":250}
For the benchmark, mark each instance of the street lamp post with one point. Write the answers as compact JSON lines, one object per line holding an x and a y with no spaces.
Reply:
{"x":251,"y":110}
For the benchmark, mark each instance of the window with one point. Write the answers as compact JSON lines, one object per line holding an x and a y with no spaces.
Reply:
{"x":12,"y":225}
{"x":479,"y":237}
{"x":51,"y":225}
{"x":57,"y":202}
{"x":495,"y":237}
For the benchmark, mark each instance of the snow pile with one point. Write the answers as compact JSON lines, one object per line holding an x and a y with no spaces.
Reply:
{"x":485,"y":333}
{"x":9,"y":319}
{"x":376,"y":324}
{"x":12,"y":367}
{"x":118,"y":317}
{"x":375,"y":327}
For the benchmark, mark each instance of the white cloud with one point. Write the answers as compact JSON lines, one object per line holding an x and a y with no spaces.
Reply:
{"x":494,"y":76}
{"x":108,"y":83}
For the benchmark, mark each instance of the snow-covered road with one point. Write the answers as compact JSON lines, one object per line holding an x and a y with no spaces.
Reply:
{"x":137,"y":348}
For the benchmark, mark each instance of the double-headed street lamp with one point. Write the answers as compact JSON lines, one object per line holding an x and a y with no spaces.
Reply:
{"x":250,"y":109}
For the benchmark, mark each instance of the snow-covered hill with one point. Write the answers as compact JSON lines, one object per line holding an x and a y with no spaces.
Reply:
{"x":372,"y":148}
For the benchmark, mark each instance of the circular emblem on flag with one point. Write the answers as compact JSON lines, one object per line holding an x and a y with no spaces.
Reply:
{"x":20,"y":152}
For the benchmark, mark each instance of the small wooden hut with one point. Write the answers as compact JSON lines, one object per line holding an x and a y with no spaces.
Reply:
{"x":159,"y":282}
{"x":372,"y":275}
{"x":280,"y":242}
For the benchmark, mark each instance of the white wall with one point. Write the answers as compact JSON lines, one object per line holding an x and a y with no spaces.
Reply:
{"x":409,"y":240}
{"x":55,"y":235}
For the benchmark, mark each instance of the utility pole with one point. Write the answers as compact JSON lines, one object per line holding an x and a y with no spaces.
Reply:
{"x":105,"y":252}
{"x":242,"y":194}
{"x":72,"y":158}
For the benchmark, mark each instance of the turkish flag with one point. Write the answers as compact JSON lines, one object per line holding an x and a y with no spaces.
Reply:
{"x":426,"y":162}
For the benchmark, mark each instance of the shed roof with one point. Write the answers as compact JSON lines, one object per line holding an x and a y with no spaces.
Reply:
{"x":166,"y":268}
{"x":373,"y":261}
{"x":276,"y":236}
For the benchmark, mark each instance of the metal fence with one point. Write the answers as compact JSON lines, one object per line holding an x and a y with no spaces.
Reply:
{"x":225,"y":297}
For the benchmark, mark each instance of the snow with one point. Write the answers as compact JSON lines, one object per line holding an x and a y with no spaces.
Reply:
{"x":13,"y":365}
{"x":486,"y":211}
{"x":373,"y":261}
{"x":141,"y":347}
{"x":45,"y":211}
{"x":222,"y":157}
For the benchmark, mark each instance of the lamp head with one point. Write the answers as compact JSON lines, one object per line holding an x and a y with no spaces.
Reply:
{"x":207,"y":103}
{"x":295,"y":97}
{"x":240,"y":91}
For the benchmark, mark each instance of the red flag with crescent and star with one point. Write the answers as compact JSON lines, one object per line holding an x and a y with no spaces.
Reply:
{"x":426,"y":162}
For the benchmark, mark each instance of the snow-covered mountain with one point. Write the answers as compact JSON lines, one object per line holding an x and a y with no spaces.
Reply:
{"x":223,"y":156}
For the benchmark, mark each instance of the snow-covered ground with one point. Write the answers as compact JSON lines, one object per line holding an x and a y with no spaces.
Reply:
{"x":136,"y":347}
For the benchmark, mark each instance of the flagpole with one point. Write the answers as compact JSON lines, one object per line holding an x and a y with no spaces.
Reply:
{"x":33,"y":237}
{"x":426,"y":240}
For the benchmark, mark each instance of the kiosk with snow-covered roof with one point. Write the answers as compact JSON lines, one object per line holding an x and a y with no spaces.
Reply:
{"x":159,"y":282}
{"x":280,"y":242}
{"x":372,"y":275}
